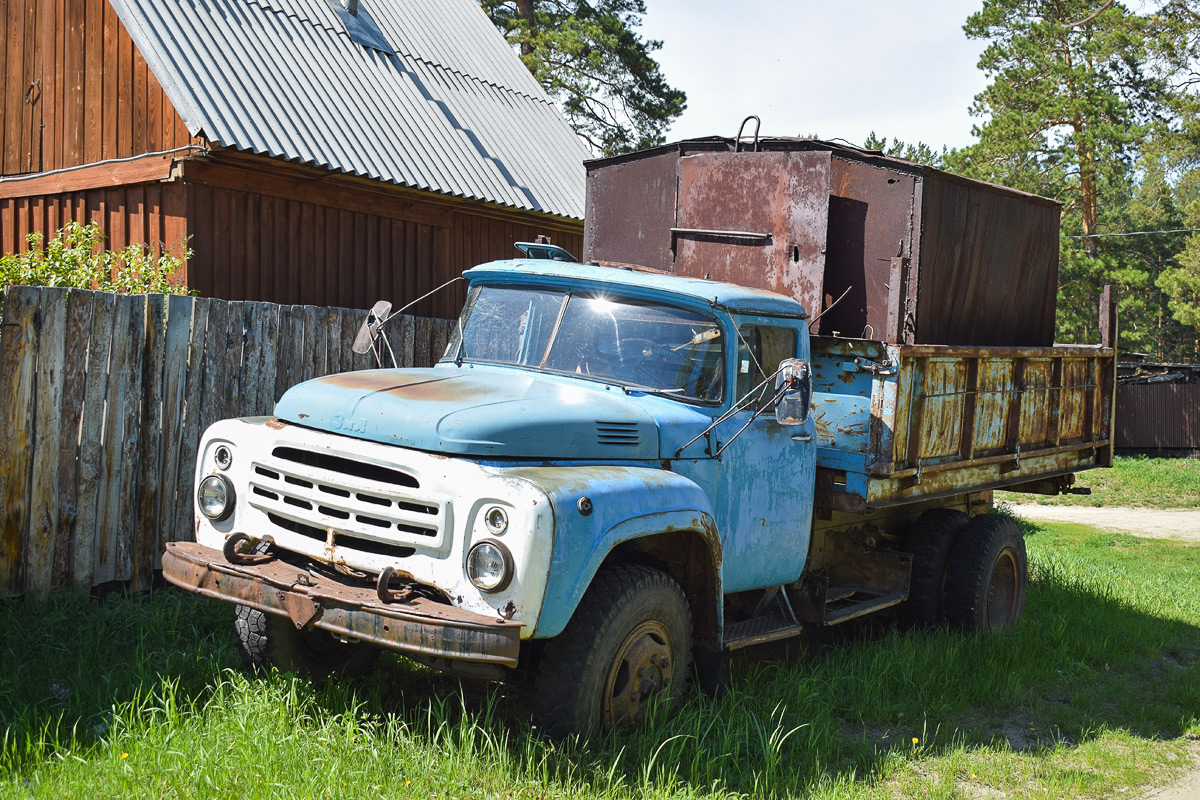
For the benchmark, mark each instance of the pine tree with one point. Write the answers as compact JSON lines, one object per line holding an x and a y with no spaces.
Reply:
{"x":589,"y":58}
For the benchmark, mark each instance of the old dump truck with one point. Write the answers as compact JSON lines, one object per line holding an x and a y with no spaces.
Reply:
{"x":789,"y":415}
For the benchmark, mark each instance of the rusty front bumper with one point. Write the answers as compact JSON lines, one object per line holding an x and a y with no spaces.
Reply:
{"x":418,"y":626}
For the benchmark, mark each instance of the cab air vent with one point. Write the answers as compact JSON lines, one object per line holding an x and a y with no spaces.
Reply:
{"x":618,"y":433}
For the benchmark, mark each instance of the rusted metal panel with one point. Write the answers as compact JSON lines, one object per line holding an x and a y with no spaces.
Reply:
{"x":945,"y":387}
{"x":630,"y":212}
{"x":755,"y":219}
{"x":419,"y":625}
{"x":1158,"y":417}
{"x":871,"y":222}
{"x":992,"y":405}
{"x":989,"y":265}
{"x":1035,"y":401}
{"x":912,"y":254}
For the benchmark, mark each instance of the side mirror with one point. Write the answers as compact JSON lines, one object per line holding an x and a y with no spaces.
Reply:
{"x":793,"y":387}
{"x":368,"y":332}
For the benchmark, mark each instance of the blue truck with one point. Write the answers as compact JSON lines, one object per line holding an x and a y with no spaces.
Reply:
{"x":616,"y":475}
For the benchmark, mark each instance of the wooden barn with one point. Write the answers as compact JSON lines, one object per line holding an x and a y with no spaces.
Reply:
{"x":326,"y":152}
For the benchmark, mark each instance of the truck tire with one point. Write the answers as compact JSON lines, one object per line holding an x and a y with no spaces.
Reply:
{"x":630,"y":638}
{"x":270,"y":640}
{"x":987,"y":575}
{"x":930,"y":540}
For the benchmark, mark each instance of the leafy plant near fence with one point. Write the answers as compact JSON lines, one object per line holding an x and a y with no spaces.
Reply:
{"x":75,"y":257}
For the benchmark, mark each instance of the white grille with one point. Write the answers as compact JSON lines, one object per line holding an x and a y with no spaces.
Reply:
{"x":326,"y":495}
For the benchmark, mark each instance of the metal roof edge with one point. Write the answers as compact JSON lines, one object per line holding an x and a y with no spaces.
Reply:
{"x":789,"y":143}
{"x":158,"y":63}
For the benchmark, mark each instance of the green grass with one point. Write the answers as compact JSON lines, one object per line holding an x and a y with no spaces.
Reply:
{"x":1098,"y":689}
{"x":1132,"y":481}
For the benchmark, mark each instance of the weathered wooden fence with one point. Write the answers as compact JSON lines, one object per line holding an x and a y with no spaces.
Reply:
{"x":102,"y":402}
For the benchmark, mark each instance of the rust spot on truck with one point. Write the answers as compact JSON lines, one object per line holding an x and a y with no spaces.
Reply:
{"x":420,"y":387}
{"x":275,"y":423}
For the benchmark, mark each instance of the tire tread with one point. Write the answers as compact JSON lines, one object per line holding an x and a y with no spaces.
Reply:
{"x":557,"y":707}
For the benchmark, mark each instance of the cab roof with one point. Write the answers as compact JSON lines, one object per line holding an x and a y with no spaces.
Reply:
{"x":729,"y":296}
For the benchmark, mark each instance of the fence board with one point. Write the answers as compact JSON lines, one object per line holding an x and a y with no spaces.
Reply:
{"x":422,"y":342}
{"x":190,"y":427}
{"x":175,"y":353}
{"x":285,"y":343}
{"x":131,"y":451}
{"x":108,"y":514}
{"x":251,"y":366}
{"x":231,"y":358}
{"x":406,"y":355}
{"x":331,"y":321}
{"x":317,"y":337}
{"x":80,"y":303}
{"x":150,"y":419}
{"x":17,"y":375}
{"x":91,"y":437}
{"x":300,"y":343}
{"x":43,"y":492}
{"x":441,"y":339}
{"x":266,"y":391}
{"x":212,"y":395}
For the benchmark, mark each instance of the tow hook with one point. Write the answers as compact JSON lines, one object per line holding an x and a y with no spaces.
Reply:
{"x":235,"y":554}
{"x":387,"y":594}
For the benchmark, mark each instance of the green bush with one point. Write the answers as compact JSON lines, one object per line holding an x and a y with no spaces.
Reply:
{"x":75,"y":257}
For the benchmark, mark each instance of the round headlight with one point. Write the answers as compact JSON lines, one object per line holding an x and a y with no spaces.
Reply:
{"x":496,"y":519}
{"x":489,"y":566}
{"x":215,"y":497}
{"x":223,"y":456}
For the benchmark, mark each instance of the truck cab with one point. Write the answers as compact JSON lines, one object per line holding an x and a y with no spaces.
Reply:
{"x":584,"y":421}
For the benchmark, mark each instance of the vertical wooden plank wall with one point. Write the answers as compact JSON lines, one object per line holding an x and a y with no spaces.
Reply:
{"x":74,"y":90}
{"x":102,"y":402}
{"x":261,"y":237}
{"x":145,"y":213}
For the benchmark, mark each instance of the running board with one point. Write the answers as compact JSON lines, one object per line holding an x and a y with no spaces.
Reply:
{"x":864,"y":607}
{"x":759,"y":630}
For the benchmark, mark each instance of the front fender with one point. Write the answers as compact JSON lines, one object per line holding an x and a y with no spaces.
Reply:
{"x":626,"y":503}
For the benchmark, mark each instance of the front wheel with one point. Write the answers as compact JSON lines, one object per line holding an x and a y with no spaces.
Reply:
{"x":629,"y":641}
{"x":987,"y":575}
{"x":269,"y":639}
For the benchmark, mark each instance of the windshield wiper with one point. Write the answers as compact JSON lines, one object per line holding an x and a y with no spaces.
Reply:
{"x":631,"y":388}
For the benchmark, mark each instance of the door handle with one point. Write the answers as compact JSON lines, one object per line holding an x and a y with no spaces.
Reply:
{"x":802,"y":437}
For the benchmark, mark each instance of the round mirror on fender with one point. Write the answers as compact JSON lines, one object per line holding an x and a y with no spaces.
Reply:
{"x":793,"y":388}
{"x":370,"y":327}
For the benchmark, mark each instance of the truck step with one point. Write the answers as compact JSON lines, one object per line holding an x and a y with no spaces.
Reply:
{"x":759,"y":630}
{"x":863,"y":607}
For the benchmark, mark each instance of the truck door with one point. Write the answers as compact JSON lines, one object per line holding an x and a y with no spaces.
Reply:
{"x":766,"y":472}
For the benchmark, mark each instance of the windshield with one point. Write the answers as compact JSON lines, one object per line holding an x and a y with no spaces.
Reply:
{"x":648,"y":345}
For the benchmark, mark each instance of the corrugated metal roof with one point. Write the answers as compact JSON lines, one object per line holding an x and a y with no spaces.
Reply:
{"x":450,"y":108}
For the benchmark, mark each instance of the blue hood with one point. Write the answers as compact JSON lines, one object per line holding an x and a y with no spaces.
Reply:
{"x":478,"y":410}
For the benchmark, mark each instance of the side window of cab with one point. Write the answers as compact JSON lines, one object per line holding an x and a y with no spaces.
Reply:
{"x":760,"y":348}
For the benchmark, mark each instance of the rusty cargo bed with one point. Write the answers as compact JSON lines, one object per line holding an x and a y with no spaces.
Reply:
{"x":901,"y":423}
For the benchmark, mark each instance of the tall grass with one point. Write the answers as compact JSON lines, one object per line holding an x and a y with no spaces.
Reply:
{"x":1097,"y":689}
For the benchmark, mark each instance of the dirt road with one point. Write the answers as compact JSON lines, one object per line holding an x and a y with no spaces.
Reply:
{"x":1181,"y":524}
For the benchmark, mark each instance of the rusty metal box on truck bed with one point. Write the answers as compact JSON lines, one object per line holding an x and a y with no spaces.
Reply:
{"x":887,"y":249}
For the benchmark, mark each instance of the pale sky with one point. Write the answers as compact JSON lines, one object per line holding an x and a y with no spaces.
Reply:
{"x":834,"y":68}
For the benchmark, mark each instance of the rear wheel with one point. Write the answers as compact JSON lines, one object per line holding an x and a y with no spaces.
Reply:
{"x":930,"y":540}
{"x":271,"y":640}
{"x":629,"y":641}
{"x":987,"y":576}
